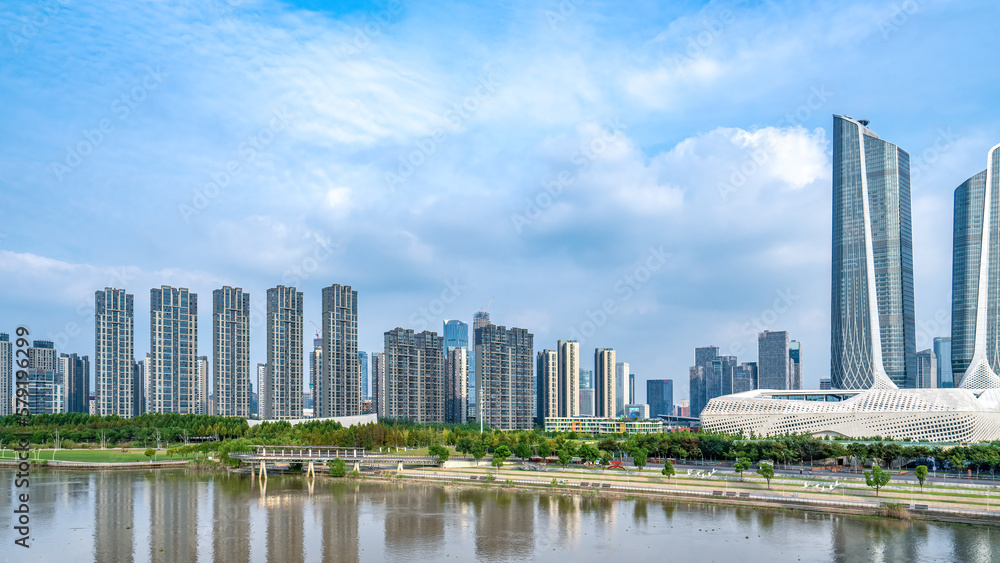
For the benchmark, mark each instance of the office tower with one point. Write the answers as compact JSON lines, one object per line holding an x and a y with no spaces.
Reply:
{"x":201,"y":386}
{"x":456,"y":385}
{"x":587,"y":401}
{"x":414,"y":376}
{"x":743,"y":376}
{"x":660,"y":397}
{"x":283,"y":382}
{"x":942,"y":351}
{"x":231,"y":389}
{"x":479,"y":319}
{"x":872,"y":329}
{"x":138,"y":387}
{"x":696,"y":390}
{"x":719,"y":380}
{"x":340,"y":385}
{"x":605,"y":396}
{"x":926,"y":369}
{"x":261,"y":395}
{"x":366,"y":393}
{"x":621,"y":388}
{"x":975,"y":317}
{"x":6,"y":375}
{"x":76,"y":381}
{"x":378,"y":383}
{"x":795,"y":365}
{"x":568,"y":353}
{"x":547,"y":384}
{"x":316,"y":372}
{"x":631,"y":388}
{"x":456,"y":334}
{"x":173,"y":350}
{"x":505,"y":376}
{"x":114,"y":344}
{"x":774,"y":360}
{"x":586,"y":378}
{"x":825,"y":383}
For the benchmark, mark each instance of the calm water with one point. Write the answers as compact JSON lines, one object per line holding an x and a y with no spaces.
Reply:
{"x":180,"y":516}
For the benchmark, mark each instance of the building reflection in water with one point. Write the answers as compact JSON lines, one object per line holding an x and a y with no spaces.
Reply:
{"x":505,"y":526}
{"x":231,"y":517}
{"x":173,"y":517}
{"x":414,"y":523}
{"x":285,"y":531}
{"x":114,"y":502}
{"x":561,"y":515}
{"x":337,"y":521}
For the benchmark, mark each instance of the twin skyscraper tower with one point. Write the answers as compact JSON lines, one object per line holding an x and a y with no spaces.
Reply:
{"x":873,"y":340}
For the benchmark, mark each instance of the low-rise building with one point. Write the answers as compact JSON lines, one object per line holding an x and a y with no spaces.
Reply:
{"x":593,"y":426}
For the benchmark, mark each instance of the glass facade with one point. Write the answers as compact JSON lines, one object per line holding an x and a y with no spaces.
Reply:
{"x":942,"y":351}
{"x":868,"y":170}
{"x":966,"y":243}
{"x":660,"y":397}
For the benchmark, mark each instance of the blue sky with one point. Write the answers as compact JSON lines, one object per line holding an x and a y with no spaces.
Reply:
{"x":649,"y":176}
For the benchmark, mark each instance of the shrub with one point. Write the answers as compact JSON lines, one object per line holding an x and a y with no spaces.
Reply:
{"x":338,"y":467}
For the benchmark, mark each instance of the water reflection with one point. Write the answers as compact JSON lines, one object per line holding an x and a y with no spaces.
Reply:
{"x":179,"y":516}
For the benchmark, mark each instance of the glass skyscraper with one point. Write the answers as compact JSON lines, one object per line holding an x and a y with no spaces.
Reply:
{"x":942,"y":351}
{"x":975,"y":309}
{"x":872,"y":334}
{"x":660,"y":396}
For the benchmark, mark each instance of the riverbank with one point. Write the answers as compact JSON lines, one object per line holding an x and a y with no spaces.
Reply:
{"x":88,"y":466}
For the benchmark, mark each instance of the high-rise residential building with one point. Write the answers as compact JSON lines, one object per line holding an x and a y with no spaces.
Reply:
{"x":456,"y":335}
{"x":873,"y":329}
{"x":942,"y":351}
{"x":114,"y":346}
{"x":366,"y":393}
{"x":479,"y":319}
{"x":795,"y":359}
{"x":660,"y":397}
{"x":378,"y":383}
{"x":774,"y":361}
{"x":283,"y":381}
{"x":75,"y":372}
{"x":173,"y":350}
{"x":587,"y":402}
{"x":926,"y":369}
{"x":825,"y":384}
{"x":138,"y":387}
{"x":414,"y":376}
{"x":621,"y":387}
{"x":340,"y":385}
{"x":6,"y":375}
{"x":42,"y":355}
{"x":201,"y":393}
{"x":568,"y":358}
{"x":975,"y":316}
{"x":743,"y":377}
{"x":316,"y":371}
{"x":547,"y":385}
{"x":505,"y":376}
{"x":456,"y":385}
{"x":231,"y":388}
{"x":261,"y":385}
{"x":605,"y":396}
{"x":45,"y":391}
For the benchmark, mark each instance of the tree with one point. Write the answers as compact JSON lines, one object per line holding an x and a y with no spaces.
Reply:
{"x":741,"y":465}
{"x":858,"y":451}
{"x":589,"y":453}
{"x":565,"y":456}
{"x":609,"y":445}
{"x":766,"y":470}
{"x":338,"y":467}
{"x":639,"y":457}
{"x":150,"y":452}
{"x":605,"y":460}
{"x":921,"y":473}
{"x":464,"y":445}
{"x":478,"y":451}
{"x":544,"y":449}
{"x":441,"y":452}
{"x":668,"y":469}
{"x":500,"y":455}
{"x":890,"y":453}
{"x":522,"y":450}
{"x":876,"y":478}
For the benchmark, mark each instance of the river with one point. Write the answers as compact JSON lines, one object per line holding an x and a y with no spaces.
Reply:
{"x":197,"y":516}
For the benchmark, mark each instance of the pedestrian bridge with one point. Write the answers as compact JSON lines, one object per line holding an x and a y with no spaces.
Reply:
{"x":311,"y":455}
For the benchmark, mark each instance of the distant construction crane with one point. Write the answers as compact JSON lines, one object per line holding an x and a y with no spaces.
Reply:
{"x":318,"y":330}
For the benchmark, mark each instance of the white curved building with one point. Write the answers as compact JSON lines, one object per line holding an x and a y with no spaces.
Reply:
{"x":968,"y":413}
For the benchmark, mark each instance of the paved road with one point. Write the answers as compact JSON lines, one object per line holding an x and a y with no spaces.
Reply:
{"x":804,"y":471}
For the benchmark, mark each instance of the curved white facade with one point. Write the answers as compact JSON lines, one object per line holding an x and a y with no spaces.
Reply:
{"x":935,"y":415}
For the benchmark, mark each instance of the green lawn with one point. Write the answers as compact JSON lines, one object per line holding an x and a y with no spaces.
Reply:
{"x":98,"y":456}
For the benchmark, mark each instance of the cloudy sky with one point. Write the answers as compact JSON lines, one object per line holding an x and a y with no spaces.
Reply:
{"x":646,"y":176}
